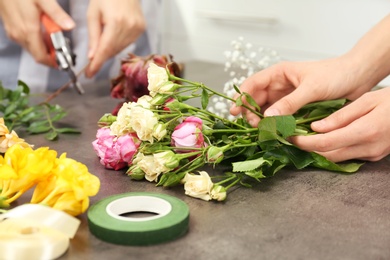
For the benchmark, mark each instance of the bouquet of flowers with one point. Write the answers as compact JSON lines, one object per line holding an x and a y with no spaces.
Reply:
{"x":164,"y":140}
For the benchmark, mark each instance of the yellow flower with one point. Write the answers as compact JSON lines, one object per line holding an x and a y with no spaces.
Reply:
{"x":22,"y":167}
{"x":68,"y":188}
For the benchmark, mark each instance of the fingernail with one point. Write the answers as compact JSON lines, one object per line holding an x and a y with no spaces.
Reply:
{"x":90,"y":53}
{"x":318,"y":124}
{"x":68,"y":24}
{"x":272,"y":112}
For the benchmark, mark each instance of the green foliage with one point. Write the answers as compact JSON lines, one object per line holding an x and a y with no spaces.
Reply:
{"x":19,"y":114}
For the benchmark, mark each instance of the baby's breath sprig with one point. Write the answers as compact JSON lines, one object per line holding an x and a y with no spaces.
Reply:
{"x":241,"y":62}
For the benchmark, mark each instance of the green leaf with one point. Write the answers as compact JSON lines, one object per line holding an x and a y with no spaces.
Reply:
{"x":298,"y":157}
{"x":251,"y":101}
{"x":249,"y":165}
{"x":237,"y":89}
{"x":25,"y":88}
{"x":285,"y":125}
{"x":58,"y":116}
{"x":323,"y":163}
{"x":238,"y":101}
{"x":52,"y":135}
{"x":256,"y":174}
{"x":68,"y":130}
{"x":205,"y":99}
{"x":38,"y":129}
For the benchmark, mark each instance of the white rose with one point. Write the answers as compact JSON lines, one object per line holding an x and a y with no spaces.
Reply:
{"x":144,"y":101}
{"x":198,"y":186}
{"x":160,"y":159}
{"x":157,"y":76}
{"x":122,"y":124}
{"x":143,"y":121}
{"x":165,"y":89}
{"x":147,"y":164}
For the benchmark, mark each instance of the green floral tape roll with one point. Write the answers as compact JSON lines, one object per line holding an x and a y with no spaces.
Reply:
{"x":107,"y":222}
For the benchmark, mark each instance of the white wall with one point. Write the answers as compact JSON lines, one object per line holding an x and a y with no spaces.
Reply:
{"x":297,"y":30}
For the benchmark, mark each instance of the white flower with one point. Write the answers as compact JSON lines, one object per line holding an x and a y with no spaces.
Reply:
{"x":198,"y":186}
{"x":144,"y":101}
{"x":165,"y":161}
{"x":147,"y":164}
{"x":143,"y":121}
{"x":157,"y":76}
{"x":122,"y":124}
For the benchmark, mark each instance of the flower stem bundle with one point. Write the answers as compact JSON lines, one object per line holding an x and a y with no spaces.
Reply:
{"x":169,"y":141}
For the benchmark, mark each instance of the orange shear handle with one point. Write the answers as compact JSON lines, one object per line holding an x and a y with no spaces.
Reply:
{"x":50,"y":27}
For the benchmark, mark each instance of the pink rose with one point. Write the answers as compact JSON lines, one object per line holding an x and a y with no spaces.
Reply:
{"x":115,"y":153}
{"x":188,"y":134}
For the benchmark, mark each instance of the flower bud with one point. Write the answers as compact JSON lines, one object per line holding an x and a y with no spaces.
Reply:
{"x":159,"y":131}
{"x":106,"y":120}
{"x":218,"y":193}
{"x":135,"y":173}
{"x":166,"y":160}
{"x":159,"y":99}
{"x":214,"y":154}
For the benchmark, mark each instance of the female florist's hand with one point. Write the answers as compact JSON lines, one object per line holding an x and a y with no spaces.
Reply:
{"x":285,"y":87}
{"x":358,"y":131}
{"x":113,"y":25}
{"x":22,"y":23}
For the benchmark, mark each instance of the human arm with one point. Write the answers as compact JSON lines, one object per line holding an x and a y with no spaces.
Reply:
{"x":285,"y":87}
{"x":357,"y":131}
{"x":21,"y":19}
{"x":113,"y":25}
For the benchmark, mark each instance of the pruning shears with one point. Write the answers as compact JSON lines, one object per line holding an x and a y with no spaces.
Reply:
{"x":60,"y":50}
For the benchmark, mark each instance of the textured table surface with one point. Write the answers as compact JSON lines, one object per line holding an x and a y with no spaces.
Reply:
{"x":308,"y":214}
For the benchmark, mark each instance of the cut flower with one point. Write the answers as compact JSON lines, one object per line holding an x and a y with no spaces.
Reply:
{"x":178,"y":139}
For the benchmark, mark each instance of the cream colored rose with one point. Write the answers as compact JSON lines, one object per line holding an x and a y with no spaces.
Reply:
{"x":3,"y":128}
{"x":144,"y":101}
{"x":157,"y":76}
{"x":198,"y":186}
{"x":159,"y":161}
{"x":143,"y":121}
{"x":11,"y":139}
{"x":122,"y":124}
{"x":147,"y":164}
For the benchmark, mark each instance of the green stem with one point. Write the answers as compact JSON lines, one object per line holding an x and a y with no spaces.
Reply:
{"x":201,"y":85}
{"x":226,"y":180}
{"x":233,"y":183}
{"x":310,"y":119}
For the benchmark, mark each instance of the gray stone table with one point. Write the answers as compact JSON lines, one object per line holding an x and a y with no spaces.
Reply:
{"x":307,"y":214}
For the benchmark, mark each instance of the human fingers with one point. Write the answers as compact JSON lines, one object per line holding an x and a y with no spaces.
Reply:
{"x":120,"y":29}
{"x":365,"y":138}
{"x":56,"y":13}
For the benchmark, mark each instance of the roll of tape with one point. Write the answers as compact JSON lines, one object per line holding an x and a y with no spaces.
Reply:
{"x":106,"y":220}
{"x":33,"y":231}
{"x":23,"y":239}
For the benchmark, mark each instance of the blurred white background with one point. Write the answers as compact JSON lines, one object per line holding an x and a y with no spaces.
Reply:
{"x":297,"y":30}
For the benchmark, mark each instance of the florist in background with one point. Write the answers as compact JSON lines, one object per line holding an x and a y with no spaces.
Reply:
{"x":100,"y":31}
